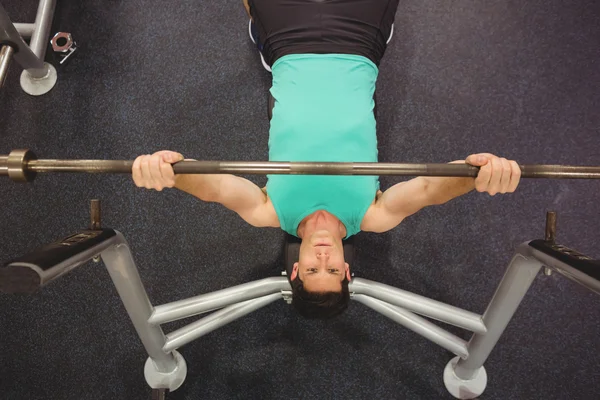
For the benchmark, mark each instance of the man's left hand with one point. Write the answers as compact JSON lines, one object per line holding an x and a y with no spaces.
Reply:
{"x":496,"y":175}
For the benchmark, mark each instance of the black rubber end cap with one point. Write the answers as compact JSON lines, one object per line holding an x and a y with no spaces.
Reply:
{"x":18,"y":279}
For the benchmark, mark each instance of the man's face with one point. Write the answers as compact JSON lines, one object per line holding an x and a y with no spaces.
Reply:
{"x":321,"y":266}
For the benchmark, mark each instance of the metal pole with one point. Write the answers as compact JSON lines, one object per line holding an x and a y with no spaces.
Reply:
{"x":43,"y":22}
{"x":221,"y":298}
{"x":306,"y":168}
{"x":23,"y":53}
{"x":6,"y":53}
{"x":95,"y":215}
{"x":41,"y":34}
{"x":95,"y":220}
{"x":216,"y":320}
{"x":550,"y":234}
{"x":127,"y":281}
{"x":24,"y":164}
{"x":418,"y":304}
{"x":517,"y":279}
{"x":25,"y":30}
{"x":551,"y":226}
{"x":416,"y":324}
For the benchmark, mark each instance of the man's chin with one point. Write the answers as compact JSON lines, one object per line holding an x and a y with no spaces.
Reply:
{"x":322,"y":234}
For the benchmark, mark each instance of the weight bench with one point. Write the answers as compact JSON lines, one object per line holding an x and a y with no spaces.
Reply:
{"x":165,"y":369}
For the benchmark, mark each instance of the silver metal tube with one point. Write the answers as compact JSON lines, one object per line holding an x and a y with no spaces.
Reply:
{"x":519,"y":276}
{"x":23,"y":54}
{"x":6,"y":53}
{"x":41,"y":34}
{"x":43,"y":22}
{"x":126,"y":278}
{"x":417,"y":324}
{"x":214,"y":321}
{"x":218,"y":299}
{"x":25,"y":30}
{"x":419,"y":304}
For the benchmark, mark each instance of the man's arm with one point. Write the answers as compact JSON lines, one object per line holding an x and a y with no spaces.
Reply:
{"x":238,"y":194}
{"x":406,"y":198}
{"x":235,"y":193}
{"x":399,"y":202}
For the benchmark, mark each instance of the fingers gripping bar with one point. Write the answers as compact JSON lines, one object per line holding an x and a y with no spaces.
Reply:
{"x":22,"y":166}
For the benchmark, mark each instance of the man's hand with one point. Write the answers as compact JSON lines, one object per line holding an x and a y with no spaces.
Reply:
{"x":237,"y":194}
{"x":155,"y":171}
{"x":496,"y":175}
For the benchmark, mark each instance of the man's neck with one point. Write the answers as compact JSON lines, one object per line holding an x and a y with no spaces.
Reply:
{"x":321,"y":220}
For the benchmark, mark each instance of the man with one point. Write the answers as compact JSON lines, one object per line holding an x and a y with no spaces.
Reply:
{"x":324,"y":57}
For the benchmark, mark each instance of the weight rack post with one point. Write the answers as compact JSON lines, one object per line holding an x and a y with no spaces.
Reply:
{"x":95,"y":220}
{"x":550,"y":235}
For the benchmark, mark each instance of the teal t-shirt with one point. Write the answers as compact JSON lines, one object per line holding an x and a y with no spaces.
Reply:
{"x":323,"y":112}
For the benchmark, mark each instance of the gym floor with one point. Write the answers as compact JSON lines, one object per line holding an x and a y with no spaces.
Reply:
{"x":518,"y":79}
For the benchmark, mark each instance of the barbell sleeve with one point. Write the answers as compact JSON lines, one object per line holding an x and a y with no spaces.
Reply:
{"x":22,"y":165}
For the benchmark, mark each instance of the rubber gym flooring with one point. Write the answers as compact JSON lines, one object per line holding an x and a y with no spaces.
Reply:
{"x":518,"y":79}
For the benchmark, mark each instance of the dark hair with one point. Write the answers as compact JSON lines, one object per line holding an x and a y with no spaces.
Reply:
{"x":319,"y":305}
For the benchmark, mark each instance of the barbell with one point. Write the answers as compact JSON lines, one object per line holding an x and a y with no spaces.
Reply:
{"x":23,"y":165}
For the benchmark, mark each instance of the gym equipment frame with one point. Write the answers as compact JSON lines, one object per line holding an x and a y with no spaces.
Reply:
{"x":38,"y":77}
{"x":165,"y":369}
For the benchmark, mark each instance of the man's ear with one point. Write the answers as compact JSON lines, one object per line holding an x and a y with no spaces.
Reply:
{"x":294,"y":272}
{"x":348,"y":276}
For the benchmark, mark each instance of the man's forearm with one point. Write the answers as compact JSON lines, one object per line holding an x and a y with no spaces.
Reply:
{"x":444,"y":189}
{"x":204,"y":187}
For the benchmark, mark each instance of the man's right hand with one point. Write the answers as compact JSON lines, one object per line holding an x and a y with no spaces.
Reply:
{"x":155,"y":171}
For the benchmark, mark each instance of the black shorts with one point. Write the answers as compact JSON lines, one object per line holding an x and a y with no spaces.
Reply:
{"x":359,"y":27}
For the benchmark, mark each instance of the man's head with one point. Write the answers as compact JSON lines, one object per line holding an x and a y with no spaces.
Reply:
{"x":321,"y":265}
{"x":320,"y":277}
